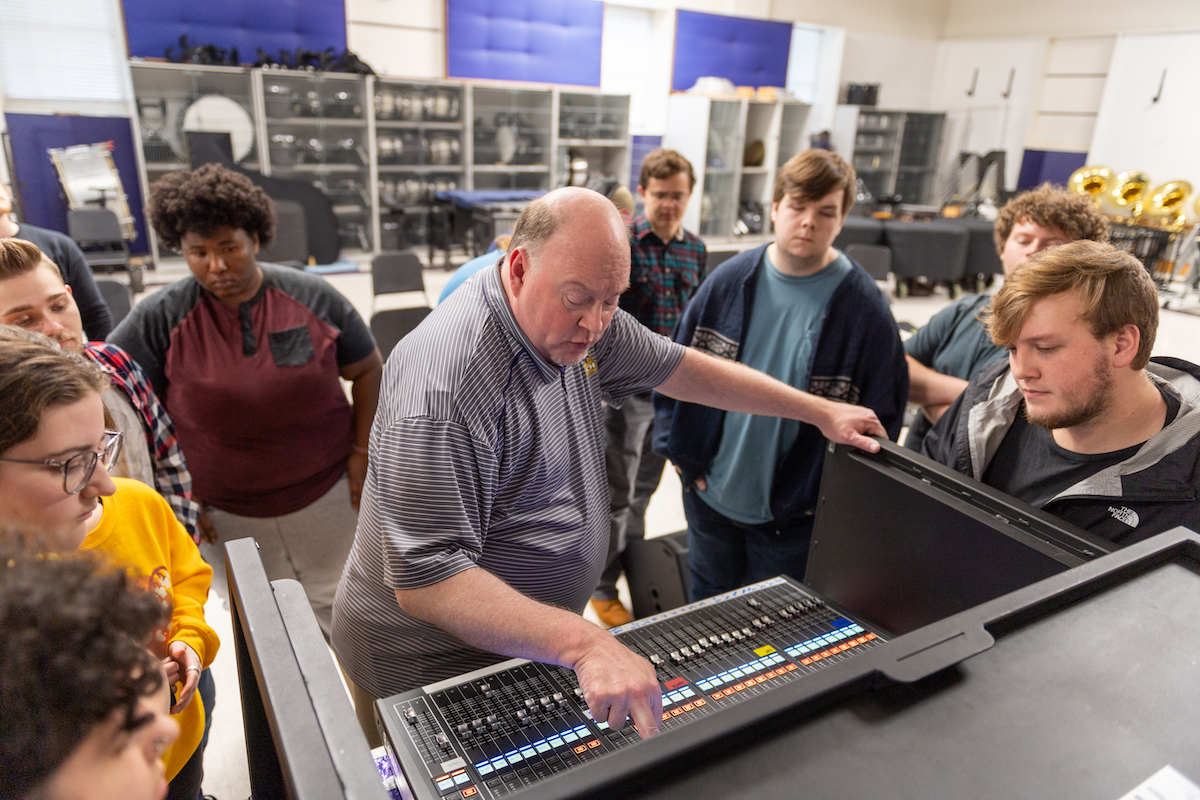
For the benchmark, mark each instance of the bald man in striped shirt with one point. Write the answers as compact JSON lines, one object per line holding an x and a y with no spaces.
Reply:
{"x":484,"y":521}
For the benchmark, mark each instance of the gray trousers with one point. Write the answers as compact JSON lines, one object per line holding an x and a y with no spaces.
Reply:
{"x":309,"y":545}
{"x":634,"y":472}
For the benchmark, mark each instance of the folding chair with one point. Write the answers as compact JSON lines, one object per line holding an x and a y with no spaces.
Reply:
{"x":97,"y":231}
{"x":392,"y":325}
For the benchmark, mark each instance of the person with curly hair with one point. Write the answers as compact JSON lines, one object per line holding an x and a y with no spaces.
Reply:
{"x":55,"y":454}
{"x":953,"y":346}
{"x":247,"y":358}
{"x":83,"y":703}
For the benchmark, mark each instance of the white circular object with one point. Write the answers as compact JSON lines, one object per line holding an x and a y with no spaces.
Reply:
{"x":216,"y":114}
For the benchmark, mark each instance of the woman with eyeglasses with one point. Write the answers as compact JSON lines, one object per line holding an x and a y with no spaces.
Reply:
{"x":55,"y":453}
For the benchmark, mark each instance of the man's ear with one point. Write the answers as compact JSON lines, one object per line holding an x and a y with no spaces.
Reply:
{"x":1126,"y":341}
{"x":518,"y":269}
{"x":256,"y":245}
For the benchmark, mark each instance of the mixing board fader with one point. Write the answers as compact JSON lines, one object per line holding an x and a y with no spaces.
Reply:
{"x":495,"y":732}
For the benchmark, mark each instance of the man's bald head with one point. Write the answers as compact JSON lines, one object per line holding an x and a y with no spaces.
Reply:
{"x":573,"y":212}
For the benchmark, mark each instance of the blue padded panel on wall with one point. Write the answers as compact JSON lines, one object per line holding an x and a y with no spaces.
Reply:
{"x":749,"y":52}
{"x":541,"y":41}
{"x":42,"y":202}
{"x":1048,"y":166}
{"x":154,"y":25}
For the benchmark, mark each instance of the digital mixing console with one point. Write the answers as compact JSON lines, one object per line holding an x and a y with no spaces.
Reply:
{"x":500,"y":730}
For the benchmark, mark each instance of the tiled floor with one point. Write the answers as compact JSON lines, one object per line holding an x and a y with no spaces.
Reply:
{"x":226,"y":775}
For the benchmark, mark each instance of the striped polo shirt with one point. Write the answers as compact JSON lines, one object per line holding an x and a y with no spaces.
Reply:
{"x":483,"y":454}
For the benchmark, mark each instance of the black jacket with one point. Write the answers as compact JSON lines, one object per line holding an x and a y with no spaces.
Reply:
{"x":1148,"y":493}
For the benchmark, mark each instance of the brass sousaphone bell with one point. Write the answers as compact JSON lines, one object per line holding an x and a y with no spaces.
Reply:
{"x":1128,"y":193}
{"x":1092,"y":181}
{"x":1163,"y":205}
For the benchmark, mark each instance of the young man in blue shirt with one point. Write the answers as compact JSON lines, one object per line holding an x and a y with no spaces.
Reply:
{"x":807,"y":315}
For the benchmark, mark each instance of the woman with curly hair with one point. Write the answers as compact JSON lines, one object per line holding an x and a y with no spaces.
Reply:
{"x":247,"y":357}
{"x":55,"y":454}
{"x":84,"y":709}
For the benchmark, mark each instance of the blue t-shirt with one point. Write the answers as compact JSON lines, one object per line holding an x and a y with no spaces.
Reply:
{"x":468,"y":269}
{"x":785,"y":324}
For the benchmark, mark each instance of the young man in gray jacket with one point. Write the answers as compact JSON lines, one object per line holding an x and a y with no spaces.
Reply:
{"x":1079,"y":420}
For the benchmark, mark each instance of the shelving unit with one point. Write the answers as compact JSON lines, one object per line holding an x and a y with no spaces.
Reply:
{"x":419,"y":151}
{"x":512,"y":132}
{"x":317,"y":130}
{"x":593,"y":128}
{"x":893,"y":152}
{"x":381,"y":148}
{"x":733,"y":198}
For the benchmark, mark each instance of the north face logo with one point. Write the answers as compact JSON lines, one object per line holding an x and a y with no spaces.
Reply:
{"x":1124,"y":514}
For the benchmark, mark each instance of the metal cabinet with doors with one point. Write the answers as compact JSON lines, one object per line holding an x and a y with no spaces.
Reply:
{"x":893,"y":152}
{"x":420,"y":150}
{"x":173,"y":99}
{"x":592,"y":137}
{"x":317,"y":129}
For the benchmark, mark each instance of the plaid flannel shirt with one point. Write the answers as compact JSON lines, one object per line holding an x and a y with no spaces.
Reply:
{"x":663,"y":276}
{"x":171,"y":477}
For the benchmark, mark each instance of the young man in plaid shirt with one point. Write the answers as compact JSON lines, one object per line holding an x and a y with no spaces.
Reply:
{"x":666,"y":266}
{"x":34,"y":297}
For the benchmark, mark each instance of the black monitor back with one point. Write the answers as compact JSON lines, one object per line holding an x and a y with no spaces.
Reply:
{"x":303,"y":741}
{"x":902,"y":542}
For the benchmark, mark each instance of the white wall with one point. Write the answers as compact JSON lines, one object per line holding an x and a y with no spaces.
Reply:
{"x":902,"y":66}
{"x":1067,"y":17}
{"x":402,"y":38}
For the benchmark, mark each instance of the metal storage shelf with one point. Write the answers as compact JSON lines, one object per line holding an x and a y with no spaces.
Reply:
{"x":891,"y":159}
{"x":386,"y":119}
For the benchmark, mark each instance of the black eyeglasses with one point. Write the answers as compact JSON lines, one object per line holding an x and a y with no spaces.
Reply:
{"x":77,"y":470}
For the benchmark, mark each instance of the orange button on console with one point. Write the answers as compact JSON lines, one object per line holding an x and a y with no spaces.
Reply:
{"x":470,"y":791}
{"x":805,"y":661}
{"x":688,"y":706}
{"x":581,"y":748}
{"x":701,"y":702}
{"x":791,"y":667}
{"x":675,"y":712}
{"x":870,"y":636}
{"x":716,"y":695}
{"x":594,"y":743}
{"x":771,"y":674}
{"x":666,"y":715}
{"x":727,"y":692}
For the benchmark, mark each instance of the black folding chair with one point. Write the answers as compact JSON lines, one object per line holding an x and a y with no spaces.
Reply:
{"x":876,"y":259}
{"x":392,"y":273}
{"x":97,"y":231}
{"x":392,"y":325}
{"x":118,"y":297}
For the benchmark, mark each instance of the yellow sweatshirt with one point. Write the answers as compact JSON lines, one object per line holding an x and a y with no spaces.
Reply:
{"x":138,"y":529}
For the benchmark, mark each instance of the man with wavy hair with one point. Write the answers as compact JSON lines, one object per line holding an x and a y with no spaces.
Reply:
{"x":1079,"y":420}
{"x":944,"y":354}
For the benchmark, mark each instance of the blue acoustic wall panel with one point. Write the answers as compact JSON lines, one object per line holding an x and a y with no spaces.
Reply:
{"x":154,"y":25}
{"x":541,"y":41}
{"x":1048,"y":166}
{"x":42,"y":202}
{"x":749,"y":52}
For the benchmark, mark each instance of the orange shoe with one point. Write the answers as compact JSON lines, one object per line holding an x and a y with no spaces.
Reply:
{"x":611,"y":612}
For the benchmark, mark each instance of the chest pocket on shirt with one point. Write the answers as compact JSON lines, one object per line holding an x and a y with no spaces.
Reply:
{"x":291,"y":347}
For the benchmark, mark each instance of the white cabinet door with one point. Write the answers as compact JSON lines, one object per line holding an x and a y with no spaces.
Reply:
{"x":996,"y":81}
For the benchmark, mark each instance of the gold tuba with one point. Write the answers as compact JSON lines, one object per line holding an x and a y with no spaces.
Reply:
{"x":1128,"y":192}
{"x":1164,"y":205}
{"x":1093,"y":181}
